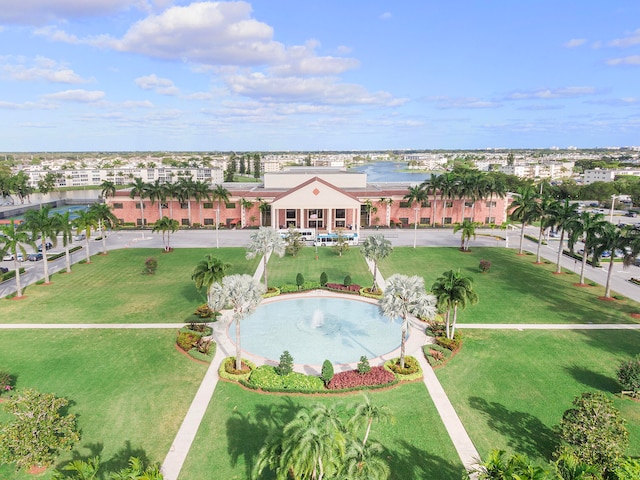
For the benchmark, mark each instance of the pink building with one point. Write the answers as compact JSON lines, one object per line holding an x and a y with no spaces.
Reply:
{"x":305,"y":197}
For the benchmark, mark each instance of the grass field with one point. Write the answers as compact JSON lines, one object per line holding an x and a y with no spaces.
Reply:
{"x":112,"y":289}
{"x":515,"y":290}
{"x":238,"y":421}
{"x":510,"y":388}
{"x":129,"y":388}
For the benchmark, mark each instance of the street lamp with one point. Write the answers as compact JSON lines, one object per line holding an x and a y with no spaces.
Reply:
{"x":613,"y":202}
{"x":415,"y":226}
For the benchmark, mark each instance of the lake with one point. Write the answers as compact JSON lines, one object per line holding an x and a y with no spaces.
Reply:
{"x":389,"y":172}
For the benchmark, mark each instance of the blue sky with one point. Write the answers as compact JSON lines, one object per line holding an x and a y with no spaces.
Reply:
{"x":121,"y":75}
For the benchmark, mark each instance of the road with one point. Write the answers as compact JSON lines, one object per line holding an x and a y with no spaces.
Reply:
{"x":398,"y":237}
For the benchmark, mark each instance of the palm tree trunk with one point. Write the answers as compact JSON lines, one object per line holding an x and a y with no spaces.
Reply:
{"x":521,"y":238}
{"x":403,"y":342}
{"x":67,"y":258}
{"x":375,"y":269}
{"x":264,"y":267}
{"x":104,"y":240}
{"x":366,"y":433}
{"x":238,"y":349}
{"x":86,"y":246}
{"x":17,"y":267}
{"x":447,"y":323}
{"x":558,"y":268}
{"x":444,"y":211}
{"x":539,"y":244}
{"x":141,"y":212}
{"x":607,"y":289}
{"x":189,"y":210}
{"x":584,"y":264}
{"x":490,"y":207}
{"x":455,"y":318}
{"x":45,"y":264}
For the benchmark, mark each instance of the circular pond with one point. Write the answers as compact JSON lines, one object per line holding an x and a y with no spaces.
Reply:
{"x":318,"y":328}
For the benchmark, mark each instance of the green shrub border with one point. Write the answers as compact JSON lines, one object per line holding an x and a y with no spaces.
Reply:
{"x":62,"y":254}
{"x":274,"y":293}
{"x":10,"y":274}
{"x":324,"y":391}
{"x":432,"y":361}
{"x":404,"y":378}
{"x":235,"y":378}
{"x":195,"y":354}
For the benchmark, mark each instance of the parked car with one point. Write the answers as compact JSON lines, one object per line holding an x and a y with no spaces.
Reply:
{"x":9,"y":257}
{"x":4,"y":269}
{"x":79,"y":237}
{"x":34,"y":257}
{"x":631,"y":214}
{"x":48,"y":246}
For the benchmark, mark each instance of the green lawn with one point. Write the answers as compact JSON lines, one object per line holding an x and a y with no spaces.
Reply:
{"x":284,"y":270}
{"x":130,"y":388}
{"x":112,"y":289}
{"x":515,"y":290}
{"x":238,"y":421}
{"x":510,"y":388}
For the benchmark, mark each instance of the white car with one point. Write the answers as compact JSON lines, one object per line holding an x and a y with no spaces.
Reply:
{"x":9,"y":257}
{"x":79,"y":237}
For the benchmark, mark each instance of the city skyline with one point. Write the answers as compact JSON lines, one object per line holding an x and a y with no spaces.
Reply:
{"x":280,"y":75}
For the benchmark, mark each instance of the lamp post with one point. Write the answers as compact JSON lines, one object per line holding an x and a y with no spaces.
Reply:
{"x":613,"y":202}
{"x":415,"y":226}
{"x":217,"y":226}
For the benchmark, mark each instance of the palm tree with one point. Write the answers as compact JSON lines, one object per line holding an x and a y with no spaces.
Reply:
{"x":219,"y":194}
{"x":367,"y":413}
{"x":564,"y":215}
{"x":547,"y":212}
{"x":365,"y":462}
{"x":446,"y":184}
{"x":468,"y":229}
{"x":186,"y":187}
{"x":500,"y":467}
{"x":430,"y":189}
{"x":246,"y":205}
{"x":587,"y":227}
{"x":209,"y":271}
{"x":613,"y":239}
{"x":13,"y":241}
{"x":168,"y":226}
{"x":157,"y":191}
{"x":370,"y":209}
{"x":495,"y":185}
{"x":265,"y":241}
{"x":40,"y":223}
{"x":139,"y":189}
{"x":80,"y":470}
{"x":171,"y":192}
{"x":452,"y":290}
{"x":137,"y":471}
{"x":201,"y":191}
{"x":243,"y":294}
{"x":570,"y":467}
{"x":84,"y":223}
{"x":107,"y":189}
{"x":404,"y":296}
{"x":64,"y":227}
{"x":527,"y":209}
{"x":105,"y":218}
{"x":263,"y":206}
{"x":374,"y":249}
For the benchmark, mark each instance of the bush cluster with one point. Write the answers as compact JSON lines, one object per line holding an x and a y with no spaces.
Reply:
{"x":7,"y":381}
{"x":411,"y":366}
{"x":267,"y":378}
{"x":187,"y":339}
{"x":363,"y":365}
{"x":485,"y":265}
{"x":366,"y":292}
{"x":327,"y":371}
{"x":435,"y":354}
{"x":628,"y":375}
{"x":204,"y":311}
{"x":353,"y":288}
{"x":285,"y":367}
{"x":353,"y":379}
{"x":227,"y":369}
{"x":452,"y":344}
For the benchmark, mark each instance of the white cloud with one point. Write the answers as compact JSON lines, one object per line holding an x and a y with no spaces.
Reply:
{"x":630,"y":60}
{"x":628,"y":41}
{"x":162,"y":86}
{"x":385,"y":16}
{"x":37,"y":12}
{"x":41,"y":68}
{"x":80,"y":96}
{"x":323,"y":90}
{"x":461,"y":102}
{"x":575,"y":42}
{"x":137,"y":104}
{"x":548,"y":93}
{"x":302,"y":60}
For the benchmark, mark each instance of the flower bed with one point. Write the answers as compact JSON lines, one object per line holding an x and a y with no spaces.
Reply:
{"x":354,"y":379}
{"x":354,"y":288}
{"x":227,"y":369}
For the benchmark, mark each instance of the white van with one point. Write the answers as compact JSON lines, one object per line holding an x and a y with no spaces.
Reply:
{"x":79,"y":237}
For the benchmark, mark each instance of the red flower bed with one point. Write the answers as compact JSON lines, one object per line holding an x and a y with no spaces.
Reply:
{"x":342,"y":288}
{"x":352,"y":379}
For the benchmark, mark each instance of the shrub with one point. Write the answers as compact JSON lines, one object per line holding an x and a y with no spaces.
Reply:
{"x":485,"y":265}
{"x":435,"y":329}
{"x":267,"y":378}
{"x":435,"y":354}
{"x":288,"y":288}
{"x":347,"y":281}
{"x":271,"y":292}
{"x":204,"y":357}
{"x":353,"y":379}
{"x":204,"y":311}
{"x":299,"y":280}
{"x":323,"y":279}
{"x":227,"y":369}
{"x":628,"y":375}
{"x":363,"y":365}
{"x":285,"y":367}
{"x":327,"y":371}
{"x":411,"y":366}
{"x":452,"y":344}
{"x":203,"y":345}
{"x":7,"y":382}
{"x":187,"y":340}
{"x":368,"y":293}
{"x":150,"y":266}
{"x":199,"y":327}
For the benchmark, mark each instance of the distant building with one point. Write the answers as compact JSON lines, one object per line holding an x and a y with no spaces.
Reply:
{"x":606,"y":175}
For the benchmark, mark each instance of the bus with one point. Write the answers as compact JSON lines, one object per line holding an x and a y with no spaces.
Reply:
{"x":306,"y":234}
{"x":331,"y":239}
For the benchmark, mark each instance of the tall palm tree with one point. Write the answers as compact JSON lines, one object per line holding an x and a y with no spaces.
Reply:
{"x":137,"y":471}
{"x":156,"y":191}
{"x":107,"y":189}
{"x":243,"y":294}
{"x":263,"y":206}
{"x":219,"y":195}
{"x":265,"y":241}
{"x":171,"y":192}
{"x":64,"y":227}
{"x":570,"y":467}
{"x":139,"y":189}
{"x":85,"y":222}
{"x":499,"y":466}
{"x":416,"y":194}
{"x":13,"y":241}
{"x":564,"y":215}
{"x":587,"y":227}
{"x":447,"y":185}
{"x":404,"y":296}
{"x":201,"y":191}
{"x":366,"y":413}
{"x":370,"y":209}
{"x":468,"y":230}
{"x":246,"y":205}
{"x":429,"y":188}
{"x":494,"y":186}
{"x":186,"y":187}
{"x":614,"y":239}
{"x":166,"y":225}
{"x":452,"y":290}
{"x":80,"y":470}
{"x":547,"y":211}
{"x":365,"y":462}
{"x":374,"y":249}
{"x":207,"y":272}
{"x":526,"y":209}
{"x":106,"y":219}
{"x":40,"y":223}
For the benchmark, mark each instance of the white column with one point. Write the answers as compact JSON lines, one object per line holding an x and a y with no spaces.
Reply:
{"x":301,"y":218}
{"x":274,"y":217}
{"x":356,"y":216}
{"x":329,"y":220}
